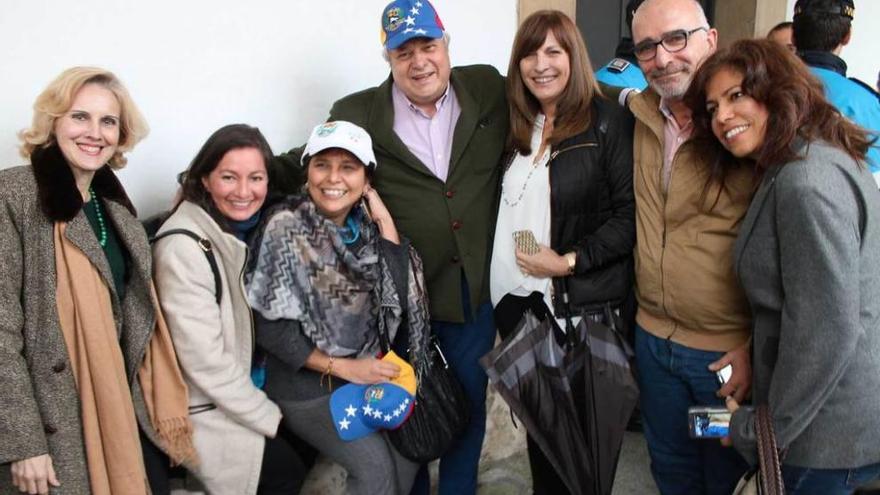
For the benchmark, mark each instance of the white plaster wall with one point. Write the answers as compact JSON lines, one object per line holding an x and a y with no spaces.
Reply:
{"x":195,"y":65}
{"x":860,"y":54}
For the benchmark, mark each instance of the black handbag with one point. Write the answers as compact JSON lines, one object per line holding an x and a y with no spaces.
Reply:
{"x":441,"y":412}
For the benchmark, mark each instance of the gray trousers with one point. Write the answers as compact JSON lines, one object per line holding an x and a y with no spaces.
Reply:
{"x":374,"y":466}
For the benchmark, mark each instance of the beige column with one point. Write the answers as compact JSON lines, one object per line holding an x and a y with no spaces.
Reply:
{"x":527,"y":7}
{"x":736,"y":19}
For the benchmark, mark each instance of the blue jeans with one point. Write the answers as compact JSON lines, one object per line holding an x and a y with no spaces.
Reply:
{"x":463,"y":344}
{"x":672,"y":378}
{"x":806,"y":481}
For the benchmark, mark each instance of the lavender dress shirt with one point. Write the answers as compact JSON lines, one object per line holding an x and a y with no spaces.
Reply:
{"x":428,"y":138}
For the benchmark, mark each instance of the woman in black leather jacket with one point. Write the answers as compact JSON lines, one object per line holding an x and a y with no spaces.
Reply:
{"x":568,"y":185}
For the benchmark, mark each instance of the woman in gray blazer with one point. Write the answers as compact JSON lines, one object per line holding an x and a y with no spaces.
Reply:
{"x":808,"y":258}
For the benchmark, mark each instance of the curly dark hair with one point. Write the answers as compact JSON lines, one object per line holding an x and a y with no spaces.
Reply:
{"x":794,"y":99}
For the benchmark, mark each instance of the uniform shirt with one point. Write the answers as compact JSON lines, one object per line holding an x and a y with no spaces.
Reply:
{"x":622,"y":74}
{"x":853,"y":100}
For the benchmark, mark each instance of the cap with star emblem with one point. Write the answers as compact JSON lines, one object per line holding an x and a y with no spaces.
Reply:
{"x":403,"y":20}
{"x":358,"y":410}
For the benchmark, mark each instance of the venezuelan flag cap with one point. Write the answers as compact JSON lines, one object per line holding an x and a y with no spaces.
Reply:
{"x":403,"y":20}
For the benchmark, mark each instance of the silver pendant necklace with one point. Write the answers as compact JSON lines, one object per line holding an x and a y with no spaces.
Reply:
{"x":535,"y":164}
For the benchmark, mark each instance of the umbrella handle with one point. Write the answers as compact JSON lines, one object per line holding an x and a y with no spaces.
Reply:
{"x":609,"y":318}
{"x":570,"y":337}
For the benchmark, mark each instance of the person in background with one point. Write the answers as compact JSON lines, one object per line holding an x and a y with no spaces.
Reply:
{"x":821,"y":29}
{"x":623,"y":70}
{"x":322,"y":263}
{"x":439,"y":134}
{"x":568,"y":182}
{"x":692,"y":318}
{"x":781,"y":33}
{"x":87,"y":368}
{"x":243,"y":449}
{"x":808,"y":257}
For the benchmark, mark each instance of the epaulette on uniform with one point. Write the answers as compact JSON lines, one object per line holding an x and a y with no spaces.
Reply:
{"x":618,"y":65}
{"x":866,"y":86}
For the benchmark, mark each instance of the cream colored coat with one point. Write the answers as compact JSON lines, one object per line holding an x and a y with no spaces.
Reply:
{"x":214,"y":346}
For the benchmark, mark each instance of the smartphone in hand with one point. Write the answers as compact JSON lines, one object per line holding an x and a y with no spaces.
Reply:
{"x":724,"y":374}
{"x":708,"y":422}
{"x":525,"y":241}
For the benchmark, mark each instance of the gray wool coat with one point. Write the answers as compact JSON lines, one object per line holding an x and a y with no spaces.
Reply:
{"x":40,"y":409}
{"x":808,"y":258}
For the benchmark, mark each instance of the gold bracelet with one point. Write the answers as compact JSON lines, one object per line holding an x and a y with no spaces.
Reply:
{"x":571,"y":258}
{"x":328,"y":372}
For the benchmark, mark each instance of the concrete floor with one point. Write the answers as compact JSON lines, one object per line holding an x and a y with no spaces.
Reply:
{"x":504,"y":467}
{"x":633,"y":473}
{"x":634,"y":468}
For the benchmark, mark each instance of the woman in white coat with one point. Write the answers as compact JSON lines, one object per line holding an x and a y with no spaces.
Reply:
{"x":199,"y":258}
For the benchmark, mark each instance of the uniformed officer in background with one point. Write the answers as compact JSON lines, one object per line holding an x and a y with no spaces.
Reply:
{"x":623,"y":70}
{"x":821,"y":29}
{"x":781,"y":33}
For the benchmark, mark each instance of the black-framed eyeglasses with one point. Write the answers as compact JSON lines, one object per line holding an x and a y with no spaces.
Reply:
{"x":673,"y":41}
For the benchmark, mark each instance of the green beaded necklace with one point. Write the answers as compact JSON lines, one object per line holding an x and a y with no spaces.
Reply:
{"x":102,"y":239}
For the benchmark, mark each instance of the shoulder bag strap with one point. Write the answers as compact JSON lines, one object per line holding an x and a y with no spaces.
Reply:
{"x":768,"y":453}
{"x":206,"y":248}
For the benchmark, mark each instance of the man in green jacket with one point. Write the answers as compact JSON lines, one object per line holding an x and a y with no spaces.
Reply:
{"x":438,"y":135}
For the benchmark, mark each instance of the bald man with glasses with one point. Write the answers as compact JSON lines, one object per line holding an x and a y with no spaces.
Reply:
{"x":692,"y":318}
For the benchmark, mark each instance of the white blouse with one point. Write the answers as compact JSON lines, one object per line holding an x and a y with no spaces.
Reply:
{"x":525,"y":205}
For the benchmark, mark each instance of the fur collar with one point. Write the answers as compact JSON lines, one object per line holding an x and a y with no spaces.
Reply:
{"x":59,"y":197}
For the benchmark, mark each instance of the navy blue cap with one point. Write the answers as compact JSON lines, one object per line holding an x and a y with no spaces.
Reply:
{"x":843,"y":8}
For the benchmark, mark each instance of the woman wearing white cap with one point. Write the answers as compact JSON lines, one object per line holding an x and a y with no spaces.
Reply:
{"x":324,"y":279}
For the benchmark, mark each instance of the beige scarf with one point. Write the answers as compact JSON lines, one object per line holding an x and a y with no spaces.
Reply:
{"x":110,"y":430}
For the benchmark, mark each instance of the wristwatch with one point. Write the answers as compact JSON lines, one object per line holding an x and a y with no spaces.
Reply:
{"x":571,"y":258}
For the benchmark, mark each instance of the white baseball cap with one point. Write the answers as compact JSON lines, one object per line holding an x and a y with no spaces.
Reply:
{"x":344,"y":135}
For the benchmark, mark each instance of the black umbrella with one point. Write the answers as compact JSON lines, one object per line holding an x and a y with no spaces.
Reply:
{"x":553,"y":389}
{"x":600,"y":362}
{"x":529,"y":372}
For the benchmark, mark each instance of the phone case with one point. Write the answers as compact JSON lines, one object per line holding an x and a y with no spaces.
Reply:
{"x":525,"y":241}
{"x":708,"y":422}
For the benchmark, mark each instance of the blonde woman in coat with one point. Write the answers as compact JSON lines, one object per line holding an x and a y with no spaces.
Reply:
{"x":88,"y":376}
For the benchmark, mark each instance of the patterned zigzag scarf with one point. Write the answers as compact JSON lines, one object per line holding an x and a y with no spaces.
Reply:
{"x":341,"y":295}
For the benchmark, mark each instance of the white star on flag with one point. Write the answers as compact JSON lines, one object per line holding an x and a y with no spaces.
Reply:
{"x":421,"y":31}
{"x":414,"y":11}
{"x":419,"y":4}
{"x":408,"y":30}
{"x":406,"y":402}
{"x":368,"y":410}
{"x":343,"y":425}
{"x":350,"y":410}
{"x":387,"y":418}
{"x":410,"y":20}
{"x":396,"y":413}
{"x":377,"y":414}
